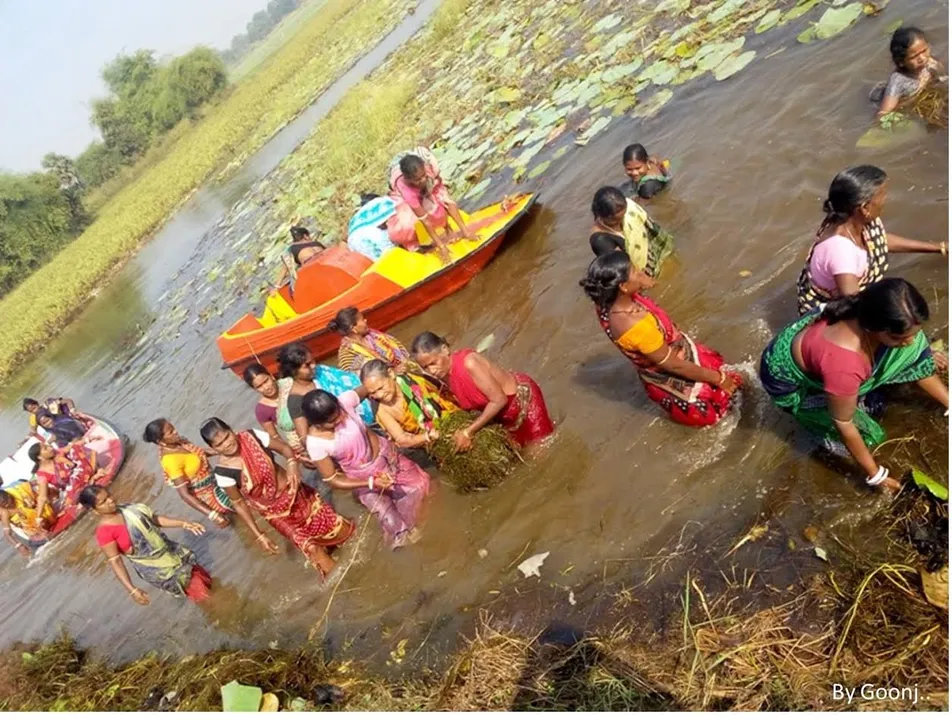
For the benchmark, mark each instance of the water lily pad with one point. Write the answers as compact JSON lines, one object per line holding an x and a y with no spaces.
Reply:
{"x":653,"y":105}
{"x":710,"y":56}
{"x":836,"y":20}
{"x":893,"y":27}
{"x":799,"y":10}
{"x":593,"y":130}
{"x":733,"y":65}
{"x":808,"y":35}
{"x":539,"y":169}
{"x":768,"y":21}
{"x":560,"y":153}
{"x":479,"y":188}
{"x":526,"y":155}
{"x":660,"y":72}
{"x":724,"y":11}
{"x":606,"y":23}
{"x":507,"y":94}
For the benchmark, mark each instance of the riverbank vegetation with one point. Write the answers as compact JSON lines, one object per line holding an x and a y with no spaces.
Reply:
{"x":237,"y":126}
{"x":730,"y":641}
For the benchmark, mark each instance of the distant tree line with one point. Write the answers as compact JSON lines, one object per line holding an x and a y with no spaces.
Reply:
{"x":42,"y":211}
{"x":261,"y":23}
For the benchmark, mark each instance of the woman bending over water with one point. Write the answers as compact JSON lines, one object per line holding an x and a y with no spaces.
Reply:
{"x":684,"y":377}
{"x":647,"y":176}
{"x":622,"y":224}
{"x":351,"y":457}
{"x":825,"y":368}
{"x":248,"y":473}
{"x":915,"y":70}
{"x":851,"y":250}
{"x":186,"y":469}
{"x":134,"y":533}
{"x":510,"y":398}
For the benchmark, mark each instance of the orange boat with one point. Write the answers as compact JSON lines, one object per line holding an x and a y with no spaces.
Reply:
{"x":399,"y":285}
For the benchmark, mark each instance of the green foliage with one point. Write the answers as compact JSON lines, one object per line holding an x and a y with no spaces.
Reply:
{"x":35,"y":221}
{"x":97,"y":164}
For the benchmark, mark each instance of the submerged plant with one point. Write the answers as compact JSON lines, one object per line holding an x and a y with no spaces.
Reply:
{"x":484,"y":465}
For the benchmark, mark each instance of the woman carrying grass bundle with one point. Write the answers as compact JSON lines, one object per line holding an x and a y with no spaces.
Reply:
{"x":915,"y":70}
{"x":421,"y":197}
{"x":852,"y":247}
{"x":412,"y":412}
{"x":362,"y":344}
{"x":825,"y":369}
{"x":687,"y":379}
{"x":186,"y":469}
{"x":351,"y":457}
{"x":248,"y":473}
{"x":622,"y":224}
{"x":134,"y":532}
{"x":512,"y":399}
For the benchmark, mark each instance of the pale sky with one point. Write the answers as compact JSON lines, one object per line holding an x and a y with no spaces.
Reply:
{"x":51,"y":52}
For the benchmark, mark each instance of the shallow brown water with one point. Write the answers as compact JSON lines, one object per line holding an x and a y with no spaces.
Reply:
{"x":753,"y":158}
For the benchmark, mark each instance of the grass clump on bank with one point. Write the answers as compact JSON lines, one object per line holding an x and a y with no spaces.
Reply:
{"x":716,"y":653}
{"x":232,"y":130}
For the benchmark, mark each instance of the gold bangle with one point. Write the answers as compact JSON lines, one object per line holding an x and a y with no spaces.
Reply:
{"x":666,"y":356}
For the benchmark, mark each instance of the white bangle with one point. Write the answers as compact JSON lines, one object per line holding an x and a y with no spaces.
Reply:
{"x":370,"y":482}
{"x":213,"y":515}
{"x":879,"y":478}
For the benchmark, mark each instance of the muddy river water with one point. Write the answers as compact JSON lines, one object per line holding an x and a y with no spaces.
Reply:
{"x":753,"y":156}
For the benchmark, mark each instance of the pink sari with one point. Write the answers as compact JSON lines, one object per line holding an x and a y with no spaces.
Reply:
{"x":397,"y":508}
{"x":432,"y":200}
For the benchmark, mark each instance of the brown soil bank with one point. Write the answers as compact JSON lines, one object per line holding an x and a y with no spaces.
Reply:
{"x":860,"y":638}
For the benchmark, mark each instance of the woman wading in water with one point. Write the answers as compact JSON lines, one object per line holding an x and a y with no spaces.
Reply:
{"x":135,"y":533}
{"x":622,"y":224}
{"x":186,"y":469}
{"x":248,"y":473}
{"x":825,"y":369}
{"x":687,"y":379}
{"x":852,"y":247}
{"x":351,"y":457}
{"x":512,"y":399}
{"x":362,"y":344}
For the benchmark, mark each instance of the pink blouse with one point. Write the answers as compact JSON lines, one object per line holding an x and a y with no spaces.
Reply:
{"x":837,"y":255}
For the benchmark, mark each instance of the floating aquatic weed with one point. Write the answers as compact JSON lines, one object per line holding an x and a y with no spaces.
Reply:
{"x":653,"y":105}
{"x":799,"y":10}
{"x":733,"y":65}
{"x":768,"y":21}
{"x":539,"y":169}
{"x":592,"y":130}
{"x":485,"y":465}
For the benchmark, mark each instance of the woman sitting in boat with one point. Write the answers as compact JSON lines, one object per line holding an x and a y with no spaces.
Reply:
{"x":300,"y":252}
{"x":647,"y":176}
{"x":421,"y":197}
{"x":253,"y":480}
{"x":367,"y":230}
{"x":135,"y":533}
{"x":622,"y":224}
{"x":186,"y":469}
{"x":351,"y":457}
{"x":851,"y":250}
{"x":297,"y":365}
{"x":512,"y":399}
{"x":61,"y":429}
{"x":825,"y":369}
{"x":684,"y":377}
{"x":53,"y":405}
{"x":19,"y":507}
{"x":915,"y":70}
{"x":362,"y":344}
{"x":58,"y":471}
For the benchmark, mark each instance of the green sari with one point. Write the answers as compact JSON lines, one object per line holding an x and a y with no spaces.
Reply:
{"x":161,"y":562}
{"x":793,"y":391}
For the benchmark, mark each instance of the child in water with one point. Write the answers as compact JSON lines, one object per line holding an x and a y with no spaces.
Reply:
{"x":647,"y":175}
{"x":915,"y":70}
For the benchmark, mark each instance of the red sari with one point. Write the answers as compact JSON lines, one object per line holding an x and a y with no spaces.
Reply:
{"x":686,"y":401}
{"x":301,"y":516}
{"x":525,"y":415}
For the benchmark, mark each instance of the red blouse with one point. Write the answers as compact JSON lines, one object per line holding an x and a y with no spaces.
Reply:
{"x":842,"y":371}
{"x":118,"y":534}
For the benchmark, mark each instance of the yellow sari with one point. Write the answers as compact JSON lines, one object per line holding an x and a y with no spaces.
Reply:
{"x":26,"y":515}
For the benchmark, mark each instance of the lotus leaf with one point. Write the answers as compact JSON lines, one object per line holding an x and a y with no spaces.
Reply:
{"x":733,"y":65}
{"x":799,"y":10}
{"x":926,"y":483}
{"x":653,"y":105}
{"x":660,"y":72}
{"x":768,"y":21}
{"x":539,"y":169}
{"x":606,"y":23}
{"x":836,"y":20}
{"x":596,"y":127}
{"x":507,"y":94}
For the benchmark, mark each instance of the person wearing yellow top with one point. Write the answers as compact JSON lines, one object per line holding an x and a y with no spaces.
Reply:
{"x":186,"y":469}
{"x":18,"y":507}
{"x":688,"y":380}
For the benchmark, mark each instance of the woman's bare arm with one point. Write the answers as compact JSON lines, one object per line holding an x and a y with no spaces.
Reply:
{"x":396,"y":432}
{"x":899,"y":244}
{"x":842,"y":409}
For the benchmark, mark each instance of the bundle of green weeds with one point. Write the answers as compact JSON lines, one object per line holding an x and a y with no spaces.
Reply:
{"x":485,"y":465}
{"x":932,"y":105}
